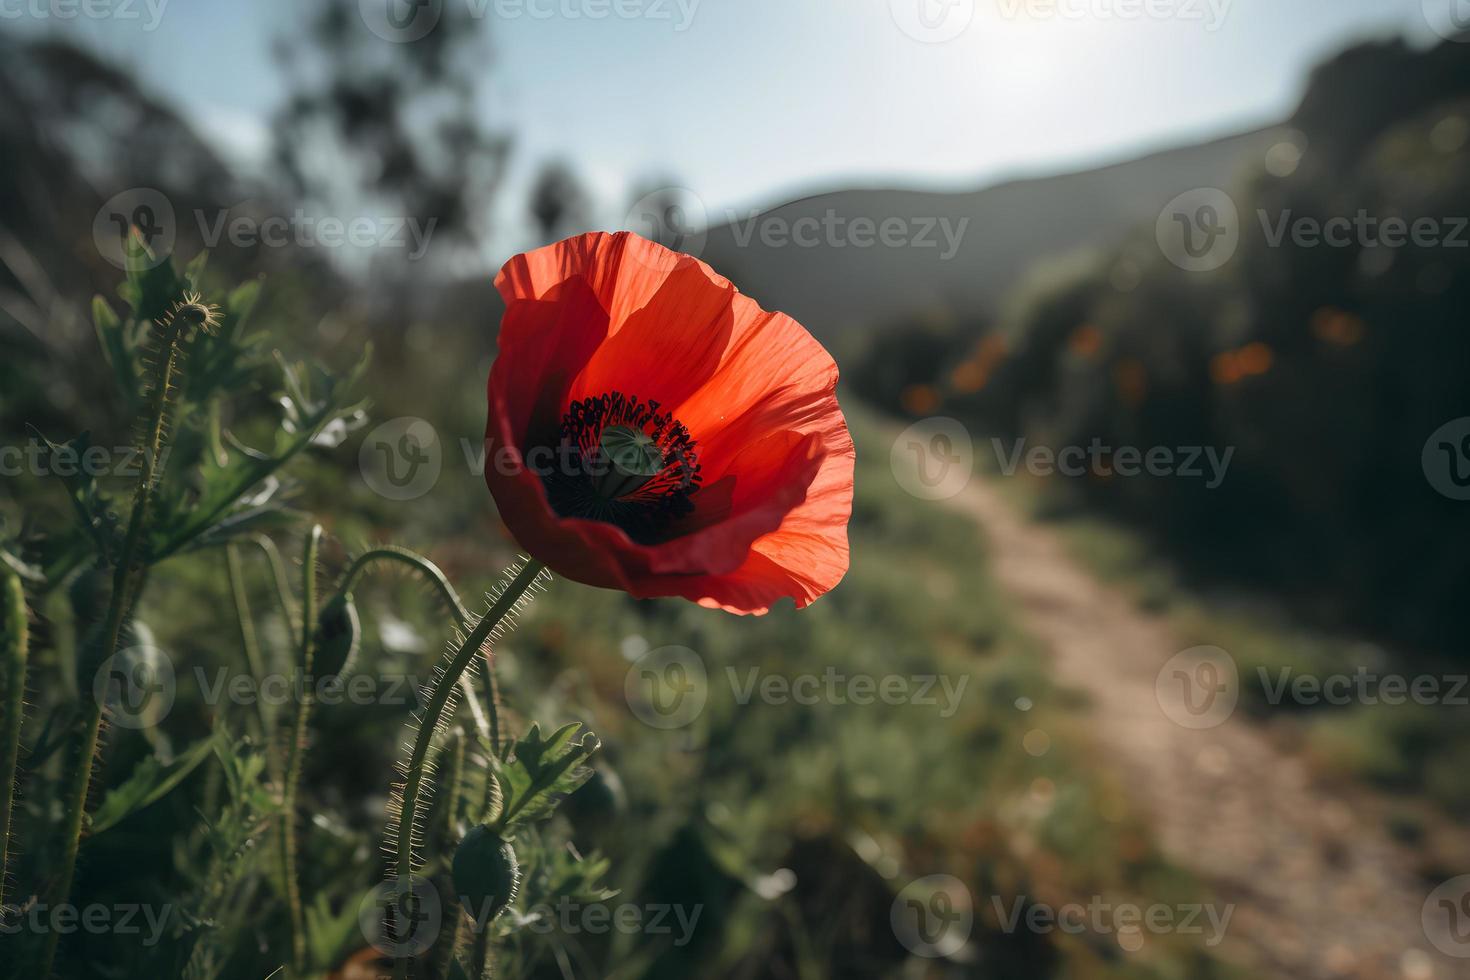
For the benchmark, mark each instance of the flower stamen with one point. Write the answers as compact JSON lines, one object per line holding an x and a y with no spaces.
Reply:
{"x":626,"y":463}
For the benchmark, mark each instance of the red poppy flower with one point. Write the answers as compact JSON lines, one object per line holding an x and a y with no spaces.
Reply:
{"x":653,"y":430}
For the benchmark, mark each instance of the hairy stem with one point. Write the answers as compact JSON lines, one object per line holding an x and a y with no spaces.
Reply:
{"x":246,"y":623}
{"x":437,"y":580}
{"x":433,"y":711}
{"x":427,"y":569}
{"x":14,"y":641}
{"x":440,"y":696}
{"x":125,"y":579}
{"x":296,"y":750}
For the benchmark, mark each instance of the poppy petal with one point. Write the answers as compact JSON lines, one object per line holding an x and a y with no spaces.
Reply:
{"x":600,"y":553}
{"x":668,"y":348}
{"x":604,"y":313}
{"x":542,"y":346}
{"x":767,"y":352}
{"x":624,"y":270}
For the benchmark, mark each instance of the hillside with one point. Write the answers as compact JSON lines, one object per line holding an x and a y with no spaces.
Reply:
{"x":1001,"y":231}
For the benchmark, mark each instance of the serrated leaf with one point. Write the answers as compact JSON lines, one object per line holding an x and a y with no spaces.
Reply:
{"x":94,"y":509}
{"x":540,"y":772}
{"x":151,"y":781}
{"x":225,"y":491}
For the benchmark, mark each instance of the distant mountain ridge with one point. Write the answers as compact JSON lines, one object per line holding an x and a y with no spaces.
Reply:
{"x":952,"y":250}
{"x":836,"y":287}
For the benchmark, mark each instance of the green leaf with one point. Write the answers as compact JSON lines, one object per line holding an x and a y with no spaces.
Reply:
{"x":242,"y":300}
{"x":95,"y":511}
{"x":153,"y":284}
{"x":540,"y":772}
{"x":244,"y":523}
{"x":194,"y":271}
{"x":226,"y":495}
{"x":151,"y":781}
{"x":331,"y":934}
{"x":116,"y":350}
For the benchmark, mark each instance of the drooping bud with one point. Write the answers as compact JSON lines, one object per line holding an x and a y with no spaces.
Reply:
{"x":486,"y":874}
{"x":338,"y":635}
{"x":192,"y":313}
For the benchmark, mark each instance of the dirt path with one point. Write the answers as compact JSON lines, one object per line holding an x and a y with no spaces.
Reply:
{"x":1320,"y":889}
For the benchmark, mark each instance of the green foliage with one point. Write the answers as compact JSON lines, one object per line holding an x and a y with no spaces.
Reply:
{"x":1323,"y":370}
{"x":698,"y":822}
{"x":222,"y":861}
{"x":540,"y":772}
{"x":95,"y":511}
{"x":150,"y":781}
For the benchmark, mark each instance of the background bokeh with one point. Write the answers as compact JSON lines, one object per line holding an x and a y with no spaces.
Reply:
{"x":1214,"y":253}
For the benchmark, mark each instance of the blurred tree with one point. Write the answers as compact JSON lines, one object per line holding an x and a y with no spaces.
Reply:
{"x":664,"y":212}
{"x":902,"y":355}
{"x":1323,"y":369}
{"x":393,"y":127}
{"x":559,"y":206}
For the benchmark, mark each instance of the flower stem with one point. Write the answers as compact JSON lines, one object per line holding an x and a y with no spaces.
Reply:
{"x":436,"y":578}
{"x":430,"y":572}
{"x":463,"y":655}
{"x":125,"y":580}
{"x":14,"y":642}
{"x":278,"y":578}
{"x":296,"y":750}
{"x":246,"y":622}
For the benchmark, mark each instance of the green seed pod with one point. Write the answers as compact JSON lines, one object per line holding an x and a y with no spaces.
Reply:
{"x":338,"y":635}
{"x":486,"y":874}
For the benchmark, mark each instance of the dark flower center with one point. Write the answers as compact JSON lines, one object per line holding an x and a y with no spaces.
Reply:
{"x":621,"y":461}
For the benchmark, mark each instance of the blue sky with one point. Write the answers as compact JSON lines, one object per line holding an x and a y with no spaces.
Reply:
{"x":748,"y":102}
